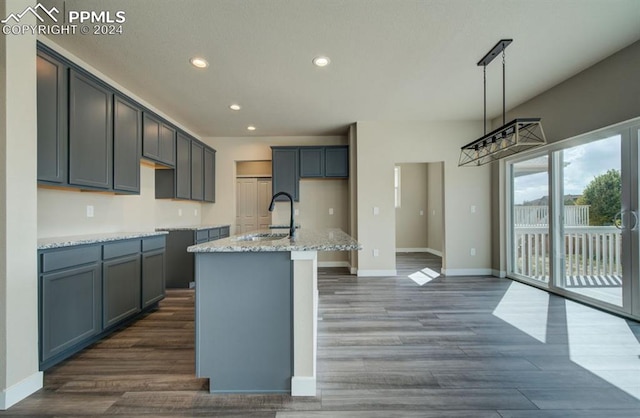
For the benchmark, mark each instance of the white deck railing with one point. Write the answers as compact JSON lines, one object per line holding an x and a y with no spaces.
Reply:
{"x":574,"y":215}
{"x":589,"y":251}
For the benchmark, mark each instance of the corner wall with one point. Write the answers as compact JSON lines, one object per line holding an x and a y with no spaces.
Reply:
{"x":19,"y":375}
{"x":602,"y":95}
{"x":380,"y":146}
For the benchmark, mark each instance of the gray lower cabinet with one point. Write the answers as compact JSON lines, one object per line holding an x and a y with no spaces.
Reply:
{"x":153,"y":267}
{"x":90,"y":133}
{"x":85,"y":291}
{"x":52,"y":119}
{"x":120,"y":281}
{"x":70,"y":300}
{"x":209,"y":175}
{"x":180,"y":263}
{"x":127,"y":135}
{"x":285,"y":173}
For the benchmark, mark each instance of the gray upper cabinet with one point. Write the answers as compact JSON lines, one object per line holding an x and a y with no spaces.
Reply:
{"x":167,"y":144}
{"x":90,"y":133}
{"x":312,"y":162}
{"x":127,"y":134}
{"x":336,"y":162}
{"x":158,"y":140}
{"x":285,"y":174}
{"x":52,"y":119}
{"x":197,"y":171}
{"x":151,"y":137}
{"x":209,"y":175}
{"x":183,"y":167}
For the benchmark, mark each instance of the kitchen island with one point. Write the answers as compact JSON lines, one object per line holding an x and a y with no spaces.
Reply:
{"x":257,"y":309}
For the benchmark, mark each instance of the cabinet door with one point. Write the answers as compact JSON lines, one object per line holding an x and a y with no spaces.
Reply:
{"x":312,"y":162}
{"x":209,"y":175}
{"x":285,"y":172}
{"x":167,"y":145}
{"x":70,"y":309}
{"x":121,"y":289}
{"x":197,"y":171}
{"x":336,"y":162}
{"x":90,"y":133}
{"x":127,"y":134}
{"x":151,"y":137}
{"x":52,"y":119}
{"x":153,"y":276}
{"x":183,"y":167}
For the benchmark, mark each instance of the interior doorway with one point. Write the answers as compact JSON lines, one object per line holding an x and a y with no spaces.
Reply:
{"x":419,"y":201}
{"x":253,"y":195}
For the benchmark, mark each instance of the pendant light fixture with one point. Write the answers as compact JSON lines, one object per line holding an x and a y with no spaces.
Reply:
{"x":511,"y":138}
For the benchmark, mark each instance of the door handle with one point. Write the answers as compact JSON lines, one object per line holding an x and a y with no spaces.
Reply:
{"x":635,"y":220}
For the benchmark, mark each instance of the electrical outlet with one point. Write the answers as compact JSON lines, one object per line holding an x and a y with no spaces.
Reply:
{"x":421,"y":213}
{"x":179,"y":212}
{"x":296,"y":212}
{"x":472,"y":252}
{"x":89,"y":211}
{"x":376,"y":252}
{"x":195,"y":212}
{"x":376,"y":210}
{"x":433,"y":212}
{"x":473,"y":208}
{"x":330,"y":211}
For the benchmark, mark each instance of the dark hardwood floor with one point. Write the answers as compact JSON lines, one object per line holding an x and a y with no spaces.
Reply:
{"x":387,"y":347}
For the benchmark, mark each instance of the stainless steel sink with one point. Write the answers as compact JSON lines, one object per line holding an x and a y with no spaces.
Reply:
{"x":261,"y":237}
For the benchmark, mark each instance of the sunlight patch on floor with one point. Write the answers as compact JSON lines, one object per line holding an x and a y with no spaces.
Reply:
{"x":424,"y":276}
{"x":525,"y":308}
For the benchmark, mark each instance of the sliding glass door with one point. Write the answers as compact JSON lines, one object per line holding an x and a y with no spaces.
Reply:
{"x":574,"y":224}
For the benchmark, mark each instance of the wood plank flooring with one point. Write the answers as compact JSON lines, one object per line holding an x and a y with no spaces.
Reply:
{"x":387,"y":347}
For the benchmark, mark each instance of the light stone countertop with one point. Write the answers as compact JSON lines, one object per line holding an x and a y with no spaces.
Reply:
{"x":191,"y":227}
{"x":70,"y":241}
{"x":306,"y":240}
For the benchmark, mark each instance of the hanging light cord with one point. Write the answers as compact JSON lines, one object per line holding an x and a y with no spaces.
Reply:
{"x":504,"y":93}
{"x":484,"y":75}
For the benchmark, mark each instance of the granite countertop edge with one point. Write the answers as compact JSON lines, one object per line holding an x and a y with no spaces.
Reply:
{"x":190,"y":227}
{"x":307,"y":240}
{"x":73,"y":240}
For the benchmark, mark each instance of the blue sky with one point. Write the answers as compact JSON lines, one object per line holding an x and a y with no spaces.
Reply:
{"x":583,"y":163}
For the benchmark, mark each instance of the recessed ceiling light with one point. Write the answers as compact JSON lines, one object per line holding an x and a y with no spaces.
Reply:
{"x":251,"y":128}
{"x":235,"y":107}
{"x":321,"y":61}
{"x":199,"y":62}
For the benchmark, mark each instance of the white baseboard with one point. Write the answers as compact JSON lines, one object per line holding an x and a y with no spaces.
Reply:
{"x":467,"y":272}
{"x":419,"y":250}
{"x":354,"y":271}
{"x":499,"y":273}
{"x":303,"y":386}
{"x":334,"y":264}
{"x":377,"y":273}
{"x":14,"y":394}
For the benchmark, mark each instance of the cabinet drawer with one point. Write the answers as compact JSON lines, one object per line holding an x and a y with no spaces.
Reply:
{"x":76,"y":256}
{"x":119,"y":249}
{"x":155,"y":243}
{"x":224,"y":232}
{"x":202,"y":235}
{"x":214,"y":233}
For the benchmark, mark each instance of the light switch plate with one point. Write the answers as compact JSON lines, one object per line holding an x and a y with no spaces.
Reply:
{"x":89,"y":211}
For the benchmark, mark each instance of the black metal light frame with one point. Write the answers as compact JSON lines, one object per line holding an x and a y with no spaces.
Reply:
{"x":511,"y":138}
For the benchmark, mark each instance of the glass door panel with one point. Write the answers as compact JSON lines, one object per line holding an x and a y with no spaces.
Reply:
{"x":593,"y":220}
{"x":530,"y":219}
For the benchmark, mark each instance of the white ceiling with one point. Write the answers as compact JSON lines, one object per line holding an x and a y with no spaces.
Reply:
{"x":390,"y":59}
